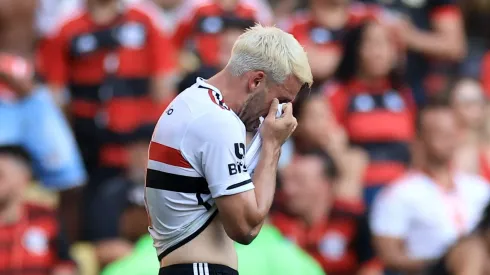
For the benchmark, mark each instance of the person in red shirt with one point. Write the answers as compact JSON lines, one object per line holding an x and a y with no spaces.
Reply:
{"x":108,"y":75}
{"x":117,"y":64}
{"x":31,"y":237}
{"x":327,"y":224}
{"x":320,"y":31}
{"x":203,"y":21}
{"x":370,"y":101}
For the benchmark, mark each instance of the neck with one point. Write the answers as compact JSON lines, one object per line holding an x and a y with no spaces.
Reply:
{"x":441,"y":173}
{"x":231,"y":92}
{"x":318,"y":211}
{"x":10,"y":212}
{"x":103,"y":12}
{"x":469,"y":136}
{"x":369,"y":79}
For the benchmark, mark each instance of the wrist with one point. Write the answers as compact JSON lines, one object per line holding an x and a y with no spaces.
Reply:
{"x":271,"y":148}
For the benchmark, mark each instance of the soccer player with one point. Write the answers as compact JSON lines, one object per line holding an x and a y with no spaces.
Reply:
{"x":196,"y":163}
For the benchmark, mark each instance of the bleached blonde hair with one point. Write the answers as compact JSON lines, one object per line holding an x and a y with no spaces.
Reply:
{"x":271,"y":50}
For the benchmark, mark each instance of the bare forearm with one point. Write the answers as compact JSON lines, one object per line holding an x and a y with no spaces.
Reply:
{"x":437,"y":45}
{"x":265,"y":179}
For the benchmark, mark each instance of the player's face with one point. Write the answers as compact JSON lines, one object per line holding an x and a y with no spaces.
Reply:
{"x":260,"y":96}
{"x":439,"y":135}
{"x":13,"y":178}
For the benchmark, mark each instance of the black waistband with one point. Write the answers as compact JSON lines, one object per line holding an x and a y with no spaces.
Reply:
{"x":197,"y":269}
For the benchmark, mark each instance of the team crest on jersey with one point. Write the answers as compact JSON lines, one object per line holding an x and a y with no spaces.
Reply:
{"x":217,"y":98}
{"x":333,"y":245}
{"x":35,"y":241}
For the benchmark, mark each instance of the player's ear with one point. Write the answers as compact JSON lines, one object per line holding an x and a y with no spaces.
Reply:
{"x":256,"y":80}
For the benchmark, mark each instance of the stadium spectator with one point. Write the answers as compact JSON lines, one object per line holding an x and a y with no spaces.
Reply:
{"x":321,"y":28}
{"x":433,"y":33}
{"x":105,"y":79}
{"x":31,"y":236}
{"x":473,"y":155}
{"x":203,"y":20}
{"x":423,"y":213}
{"x":469,"y":255}
{"x":324,"y":222}
{"x":232,"y":29}
{"x":112,"y":223}
{"x":117,"y":64}
{"x":371,"y":102}
{"x":28,"y":115}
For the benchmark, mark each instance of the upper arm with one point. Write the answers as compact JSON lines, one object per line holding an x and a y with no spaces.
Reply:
{"x":55,"y":56}
{"x":336,"y":98}
{"x":221,"y":157}
{"x":467,"y":258}
{"x":162,"y":60}
{"x":446,"y":19}
{"x":390,"y":214}
{"x":389,"y":223}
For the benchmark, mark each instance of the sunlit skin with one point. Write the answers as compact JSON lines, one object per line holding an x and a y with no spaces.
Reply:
{"x":261,"y":90}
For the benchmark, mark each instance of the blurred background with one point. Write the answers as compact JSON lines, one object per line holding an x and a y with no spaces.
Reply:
{"x":386,"y":173}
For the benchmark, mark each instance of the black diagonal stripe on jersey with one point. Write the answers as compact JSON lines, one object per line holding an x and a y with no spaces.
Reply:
{"x":236,"y":185}
{"x":177,"y":183}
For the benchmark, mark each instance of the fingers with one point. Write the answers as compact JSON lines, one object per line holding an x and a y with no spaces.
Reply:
{"x":287,"y":110}
{"x":273,"y":108}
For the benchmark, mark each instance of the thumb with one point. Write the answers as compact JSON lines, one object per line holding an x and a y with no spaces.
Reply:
{"x":273,"y":108}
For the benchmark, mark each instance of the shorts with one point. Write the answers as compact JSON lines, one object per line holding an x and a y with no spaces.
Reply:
{"x":36,"y":123}
{"x":197,"y":269}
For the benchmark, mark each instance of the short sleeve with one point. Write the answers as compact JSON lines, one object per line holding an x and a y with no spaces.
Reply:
{"x":56,"y":60}
{"x":162,"y":60}
{"x":219,"y":141}
{"x":443,"y":8}
{"x":390,"y":216}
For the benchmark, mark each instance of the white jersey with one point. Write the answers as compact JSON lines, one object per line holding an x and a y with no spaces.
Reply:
{"x":196,"y":155}
{"x":429,"y":219}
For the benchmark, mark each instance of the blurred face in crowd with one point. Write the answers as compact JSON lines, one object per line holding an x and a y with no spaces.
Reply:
{"x":303,"y":183}
{"x":14,"y":176}
{"x":469,"y":103}
{"x":439,"y":134}
{"x":377,"y":54}
{"x":227,"y":40}
{"x":314,"y":121}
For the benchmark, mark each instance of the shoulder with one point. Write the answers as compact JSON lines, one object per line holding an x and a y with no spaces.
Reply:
{"x":38,"y":211}
{"x":147,"y":11}
{"x":67,"y":21}
{"x":189,"y":8}
{"x":405,"y":187}
{"x":211,"y":118}
{"x":475,"y":185}
{"x":473,"y":182}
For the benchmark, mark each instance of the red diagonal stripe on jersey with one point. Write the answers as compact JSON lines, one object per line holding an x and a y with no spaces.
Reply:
{"x":167,"y":155}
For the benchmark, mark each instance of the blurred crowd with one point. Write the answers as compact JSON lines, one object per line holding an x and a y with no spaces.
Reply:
{"x":387,"y":173}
